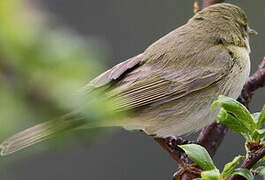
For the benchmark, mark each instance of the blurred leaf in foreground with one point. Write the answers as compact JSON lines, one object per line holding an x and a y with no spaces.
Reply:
{"x":41,"y":69}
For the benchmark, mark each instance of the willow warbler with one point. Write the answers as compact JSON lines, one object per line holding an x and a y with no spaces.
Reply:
{"x":169,"y":88}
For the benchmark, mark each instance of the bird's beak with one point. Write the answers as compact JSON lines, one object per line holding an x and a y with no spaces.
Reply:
{"x":251,"y":31}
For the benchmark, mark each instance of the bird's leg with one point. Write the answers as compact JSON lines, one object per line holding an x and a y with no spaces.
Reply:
{"x":170,"y":145}
{"x":173,"y":142}
{"x":188,"y":166}
{"x":176,"y":155}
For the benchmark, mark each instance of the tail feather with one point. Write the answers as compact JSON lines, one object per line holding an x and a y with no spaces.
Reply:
{"x":37,"y":134}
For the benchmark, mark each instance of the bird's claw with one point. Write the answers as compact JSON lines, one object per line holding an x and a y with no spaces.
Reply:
{"x":173,"y":143}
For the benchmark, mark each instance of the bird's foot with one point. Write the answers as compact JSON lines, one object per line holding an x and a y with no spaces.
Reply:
{"x":173,"y":143}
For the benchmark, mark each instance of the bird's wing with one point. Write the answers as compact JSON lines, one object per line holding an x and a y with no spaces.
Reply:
{"x":164,"y":85}
{"x":114,"y":73}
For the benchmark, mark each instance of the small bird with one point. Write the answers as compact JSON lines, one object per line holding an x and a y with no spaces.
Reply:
{"x":169,"y":88}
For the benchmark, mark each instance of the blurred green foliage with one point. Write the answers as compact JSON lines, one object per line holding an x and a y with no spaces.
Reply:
{"x":41,"y":68}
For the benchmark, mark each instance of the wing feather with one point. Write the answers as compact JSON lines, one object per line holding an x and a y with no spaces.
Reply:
{"x":162,"y":87}
{"x":142,"y":84}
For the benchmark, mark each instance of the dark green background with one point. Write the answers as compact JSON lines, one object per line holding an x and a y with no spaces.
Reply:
{"x":127,"y":27}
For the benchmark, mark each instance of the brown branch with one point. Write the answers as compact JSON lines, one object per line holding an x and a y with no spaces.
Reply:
{"x":174,"y":154}
{"x":251,"y":160}
{"x":211,"y":137}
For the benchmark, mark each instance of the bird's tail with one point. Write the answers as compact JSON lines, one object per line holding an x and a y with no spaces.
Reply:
{"x":39,"y":133}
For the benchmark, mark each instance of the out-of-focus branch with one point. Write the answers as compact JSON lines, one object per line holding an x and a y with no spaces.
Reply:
{"x":33,"y":95}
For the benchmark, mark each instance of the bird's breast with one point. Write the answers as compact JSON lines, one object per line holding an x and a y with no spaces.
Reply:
{"x":234,"y":82}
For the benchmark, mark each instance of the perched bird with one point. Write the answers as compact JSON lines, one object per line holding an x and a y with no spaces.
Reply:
{"x":169,"y":88}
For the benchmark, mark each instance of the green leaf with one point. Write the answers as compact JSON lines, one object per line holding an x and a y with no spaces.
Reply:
{"x":243,"y":172}
{"x":211,"y":175}
{"x":261,"y":119}
{"x":199,"y":155}
{"x":231,"y":122}
{"x":255,"y":116}
{"x":258,"y":134}
{"x":236,"y":109}
{"x":229,"y":167}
